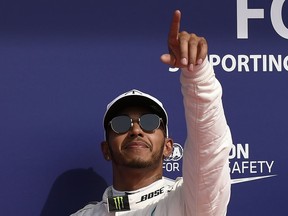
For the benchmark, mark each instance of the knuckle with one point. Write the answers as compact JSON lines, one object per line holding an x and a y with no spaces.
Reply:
{"x":193,"y":35}
{"x":192,"y":42}
{"x":183,"y":36}
{"x":203,"y":40}
{"x":184,"y":33}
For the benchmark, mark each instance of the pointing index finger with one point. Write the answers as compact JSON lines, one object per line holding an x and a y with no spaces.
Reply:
{"x":175,"y":26}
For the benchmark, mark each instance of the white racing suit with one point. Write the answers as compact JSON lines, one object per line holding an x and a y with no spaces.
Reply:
{"x":204,"y":189}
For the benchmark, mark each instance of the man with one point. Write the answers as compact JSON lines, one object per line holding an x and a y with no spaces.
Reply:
{"x":137,"y":141}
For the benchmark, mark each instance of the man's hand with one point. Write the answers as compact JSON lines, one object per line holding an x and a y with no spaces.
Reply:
{"x":185,"y":50}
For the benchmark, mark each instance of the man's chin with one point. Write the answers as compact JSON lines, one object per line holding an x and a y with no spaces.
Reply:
{"x":139,"y":164}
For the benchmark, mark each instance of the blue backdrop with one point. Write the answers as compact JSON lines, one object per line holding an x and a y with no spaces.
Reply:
{"x":62,"y":61}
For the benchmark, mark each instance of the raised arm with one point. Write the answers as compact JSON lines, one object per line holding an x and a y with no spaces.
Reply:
{"x":206,"y":187}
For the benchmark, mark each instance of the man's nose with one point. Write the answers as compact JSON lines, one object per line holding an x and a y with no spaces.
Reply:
{"x":136,"y":129}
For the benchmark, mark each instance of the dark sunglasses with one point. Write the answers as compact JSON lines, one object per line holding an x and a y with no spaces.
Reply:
{"x":122,"y":124}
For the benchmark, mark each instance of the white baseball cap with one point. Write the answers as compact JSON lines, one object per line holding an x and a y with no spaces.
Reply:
{"x":135,"y":97}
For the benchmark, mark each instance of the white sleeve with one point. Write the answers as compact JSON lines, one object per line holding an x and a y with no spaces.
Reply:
{"x":206,"y":187}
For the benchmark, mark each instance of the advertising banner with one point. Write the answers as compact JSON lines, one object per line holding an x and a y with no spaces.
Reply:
{"x":62,"y":62}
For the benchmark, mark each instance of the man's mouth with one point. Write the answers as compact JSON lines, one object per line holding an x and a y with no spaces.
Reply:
{"x":136,"y":144}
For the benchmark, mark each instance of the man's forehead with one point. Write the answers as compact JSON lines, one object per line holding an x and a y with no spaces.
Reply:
{"x":135,"y":110}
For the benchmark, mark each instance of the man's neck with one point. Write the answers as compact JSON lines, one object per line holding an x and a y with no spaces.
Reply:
{"x":130,"y":179}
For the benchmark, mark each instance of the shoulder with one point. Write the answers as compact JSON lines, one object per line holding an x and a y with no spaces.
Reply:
{"x":94,"y":206}
{"x":89,"y":209}
{"x":172,"y":184}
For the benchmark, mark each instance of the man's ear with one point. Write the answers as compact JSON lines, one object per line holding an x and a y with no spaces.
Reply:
{"x":106,"y":150}
{"x":168,"y":147}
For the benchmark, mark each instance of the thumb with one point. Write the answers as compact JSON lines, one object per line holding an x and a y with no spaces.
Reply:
{"x":167,"y":59}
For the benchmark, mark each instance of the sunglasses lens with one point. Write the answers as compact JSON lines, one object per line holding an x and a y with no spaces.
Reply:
{"x":149,"y":122}
{"x":121,"y":124}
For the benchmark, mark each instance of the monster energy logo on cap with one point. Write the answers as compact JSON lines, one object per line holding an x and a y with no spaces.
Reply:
{"x":118,"y":203}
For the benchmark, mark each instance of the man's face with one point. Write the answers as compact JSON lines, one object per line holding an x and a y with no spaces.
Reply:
{"x":136,"y":148}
